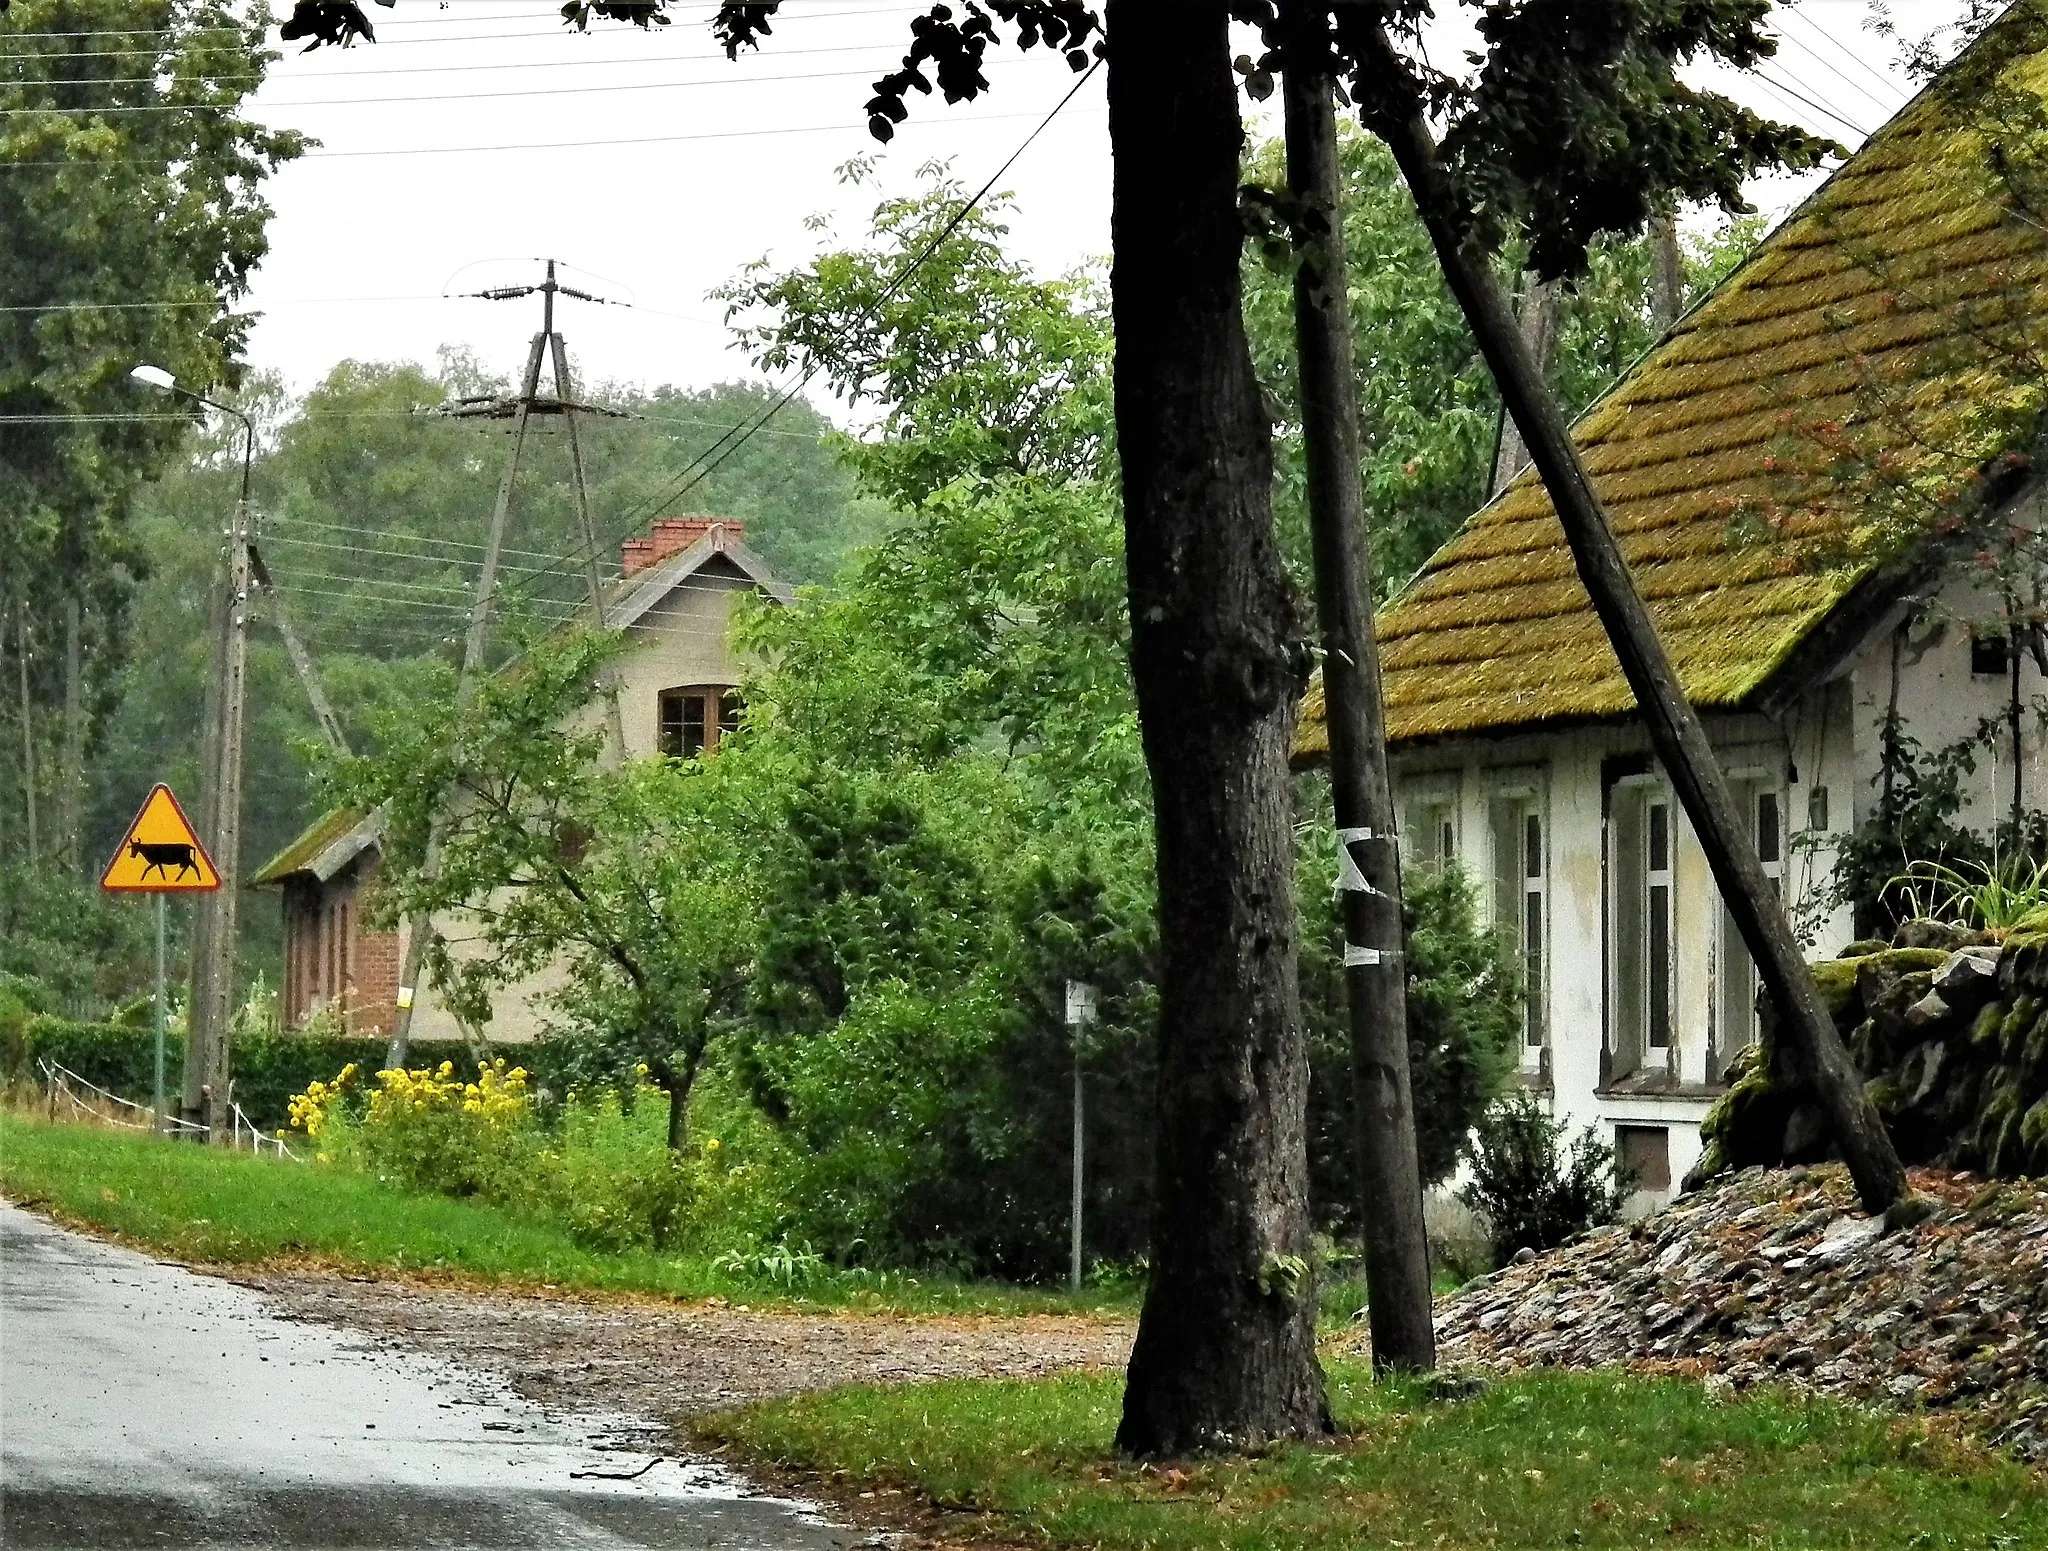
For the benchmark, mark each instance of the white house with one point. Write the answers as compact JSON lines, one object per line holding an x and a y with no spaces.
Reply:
{"x":678,"y":690}
{"x":1784,"y":472}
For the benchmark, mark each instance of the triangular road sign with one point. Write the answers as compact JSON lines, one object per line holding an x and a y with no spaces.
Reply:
{"x":160,"y":854}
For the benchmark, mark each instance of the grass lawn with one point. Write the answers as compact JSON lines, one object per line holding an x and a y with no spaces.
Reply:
{"x":1549,"y":1461}
{"x":207,"y":1205}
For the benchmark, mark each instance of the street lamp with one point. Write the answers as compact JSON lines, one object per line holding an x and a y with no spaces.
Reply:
{"x":156,"y":377}
{"x":213,"y":948}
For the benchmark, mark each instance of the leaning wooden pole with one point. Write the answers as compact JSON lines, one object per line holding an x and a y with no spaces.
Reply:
{"x":1375,"y":980}
{"x":420,"y":928}
{"x":1675,"y":728}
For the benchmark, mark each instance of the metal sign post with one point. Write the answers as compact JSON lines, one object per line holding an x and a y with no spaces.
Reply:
{"x":1080,"y":1013}
{"x":156,"y":1114}
{"x":161,"y":854}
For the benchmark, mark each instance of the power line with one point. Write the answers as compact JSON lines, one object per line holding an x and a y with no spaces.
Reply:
{"x":727,"y":445}
{"x":379,"y":70}
{"x":252,"y":105}
{"x":1772,"y":82}
{"x":553,"y":145}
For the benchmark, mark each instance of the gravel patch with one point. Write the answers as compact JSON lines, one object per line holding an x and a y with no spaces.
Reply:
{"x":663,"y":1361}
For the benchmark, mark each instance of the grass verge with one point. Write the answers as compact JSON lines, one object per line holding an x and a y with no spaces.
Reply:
{"x":1540,"y":1461}
{"x":205,"y":1205}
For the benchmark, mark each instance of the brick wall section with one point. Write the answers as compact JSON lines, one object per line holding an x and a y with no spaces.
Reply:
{"x":368,"y":967}
{"x":670,"y":534}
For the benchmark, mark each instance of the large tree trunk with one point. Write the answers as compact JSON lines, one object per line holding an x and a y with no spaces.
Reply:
{"x":1225,"y":1351}
{"x":1375,"y":982}
{"x":1675,"y":729}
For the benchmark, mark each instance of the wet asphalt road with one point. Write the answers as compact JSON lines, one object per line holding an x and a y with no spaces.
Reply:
{"x":141,"y":1405}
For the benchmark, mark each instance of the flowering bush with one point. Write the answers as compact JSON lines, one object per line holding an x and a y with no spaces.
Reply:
{"x":596,"y":1166}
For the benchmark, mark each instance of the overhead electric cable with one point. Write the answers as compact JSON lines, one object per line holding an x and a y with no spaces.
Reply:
{"x":715,"y":455}
{"x":612,"y":143}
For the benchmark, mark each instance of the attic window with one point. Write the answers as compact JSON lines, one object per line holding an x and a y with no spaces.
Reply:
{"x":697,"y":718}
{"x":1990,"y":655}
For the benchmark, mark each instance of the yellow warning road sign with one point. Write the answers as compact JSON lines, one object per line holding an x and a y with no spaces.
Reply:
{"x":160,"y":854}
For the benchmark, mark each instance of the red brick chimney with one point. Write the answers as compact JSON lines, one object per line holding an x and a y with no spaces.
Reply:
{"x":670,"y":534}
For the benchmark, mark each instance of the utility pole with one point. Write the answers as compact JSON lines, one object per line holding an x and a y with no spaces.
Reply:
{"x":209,"y":1015}
{"x":302,"y":661}
{"x":1369,"y":859}
{"x":520,"y":410}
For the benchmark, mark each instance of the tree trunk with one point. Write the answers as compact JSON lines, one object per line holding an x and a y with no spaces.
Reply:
{"x":1225,"y":1351}
{"x":74,"y":735}
{"x":1667,"y":272}
{"x":1537,"y":324}
{"x":678,"y":1115}
{"x":1390,"y":1180}
{"x":1675,"y":730}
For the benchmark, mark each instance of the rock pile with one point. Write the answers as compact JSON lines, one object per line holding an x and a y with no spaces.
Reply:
{"x":1777,"y":1278}
{"x":1949,"y":1026}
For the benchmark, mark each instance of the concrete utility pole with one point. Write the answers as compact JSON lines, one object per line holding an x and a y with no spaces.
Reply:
{"x":28,"y":729}
{"x":475,"y":643}
{"x":1369,"y":859}
{"x":210,"y":1013}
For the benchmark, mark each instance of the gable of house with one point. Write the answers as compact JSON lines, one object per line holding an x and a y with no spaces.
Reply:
{"x":1771,"y":458}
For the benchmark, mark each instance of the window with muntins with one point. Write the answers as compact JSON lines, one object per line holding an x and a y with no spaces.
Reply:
{"x":1520,"y":903}
{"x":694,"y":718}
{"x":1735,"y":1021}
{"x":1429,"y":831}
{"x":1642,"y":946}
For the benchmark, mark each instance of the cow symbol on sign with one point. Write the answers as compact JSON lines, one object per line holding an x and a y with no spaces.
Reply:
{"x":161,"y":856}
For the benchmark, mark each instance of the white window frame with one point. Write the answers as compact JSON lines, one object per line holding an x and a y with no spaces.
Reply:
{"x":1517,"y":799}
{"x":1765,"y":806}
{"x":1637,"y":1048}
{"x":1437,"y":797}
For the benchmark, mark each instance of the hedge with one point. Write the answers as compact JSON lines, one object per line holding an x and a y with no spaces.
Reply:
{"x":268,"y":1068}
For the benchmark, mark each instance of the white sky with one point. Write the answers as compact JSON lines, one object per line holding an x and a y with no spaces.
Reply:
{"x":441,"y":169}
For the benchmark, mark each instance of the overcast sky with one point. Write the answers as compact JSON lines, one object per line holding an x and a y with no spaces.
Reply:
{"x":479,"y":135}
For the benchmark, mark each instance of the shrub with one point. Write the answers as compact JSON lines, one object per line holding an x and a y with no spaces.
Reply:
{"x":1534,"y":1193}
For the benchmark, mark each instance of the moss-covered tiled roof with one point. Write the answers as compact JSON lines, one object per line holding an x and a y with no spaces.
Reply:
{"x":302,"y":852}
{"x":1777,"y":446}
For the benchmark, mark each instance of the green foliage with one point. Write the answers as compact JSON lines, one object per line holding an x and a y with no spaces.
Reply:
{"x":1533,"y":1189}
{"x":1464,"y":1020}
{"x":1429,"y":415}
{"x":1535,"y":1460}
{"x":124,"y":173}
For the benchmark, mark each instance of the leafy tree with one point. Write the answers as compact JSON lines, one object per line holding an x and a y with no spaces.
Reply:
{"x":1429,"y":413}
{"x":629,"y":881}
{"x":127,"y":174}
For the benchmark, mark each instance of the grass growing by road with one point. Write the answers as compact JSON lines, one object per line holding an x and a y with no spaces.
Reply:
{"x":206,"y":1205}
{"x":1546,"y":1461}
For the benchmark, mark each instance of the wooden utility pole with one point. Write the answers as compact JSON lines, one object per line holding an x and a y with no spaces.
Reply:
{"x":521,"y":410}
{"x":1369,"y":861}
{"x":1675,"y":729}
{"x":302,"y":661}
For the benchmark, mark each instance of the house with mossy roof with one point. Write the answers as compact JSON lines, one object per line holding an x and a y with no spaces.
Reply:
{"x":1825,"y":479}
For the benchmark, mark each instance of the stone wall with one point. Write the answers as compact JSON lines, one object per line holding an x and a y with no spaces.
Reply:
{"x":1950,"y":1028}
